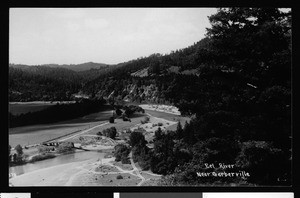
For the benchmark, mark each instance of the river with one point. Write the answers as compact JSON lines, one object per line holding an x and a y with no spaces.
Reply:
{"x":62,"y":159}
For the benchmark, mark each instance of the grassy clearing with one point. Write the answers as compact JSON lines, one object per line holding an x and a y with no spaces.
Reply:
{"x":106,"y":168}
{"x":123,"y":166}
{"x":168,"y":116}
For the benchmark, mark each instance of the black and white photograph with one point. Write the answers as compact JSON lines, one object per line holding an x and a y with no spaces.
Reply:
{"x":150,"y":97}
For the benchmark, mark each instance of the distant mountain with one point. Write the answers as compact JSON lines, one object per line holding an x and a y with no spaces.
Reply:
{"x":80,"y":67}
{"x":19,"y":66}
{"x":74,"y":67}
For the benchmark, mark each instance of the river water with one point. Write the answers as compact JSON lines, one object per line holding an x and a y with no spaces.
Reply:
{"x":62,"y":159}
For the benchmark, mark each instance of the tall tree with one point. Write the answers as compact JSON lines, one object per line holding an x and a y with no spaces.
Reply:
{"x":247,"y":39}
{"x":179,"y":131}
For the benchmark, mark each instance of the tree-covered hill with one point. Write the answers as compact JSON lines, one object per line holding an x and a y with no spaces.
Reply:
{"x":42,"y":83}
{"x":73,"y":67}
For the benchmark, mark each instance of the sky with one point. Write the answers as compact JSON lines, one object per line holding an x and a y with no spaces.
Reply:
{"x":102,"y":35}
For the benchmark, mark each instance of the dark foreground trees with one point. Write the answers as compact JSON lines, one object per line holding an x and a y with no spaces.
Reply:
{"x":242,"y":100}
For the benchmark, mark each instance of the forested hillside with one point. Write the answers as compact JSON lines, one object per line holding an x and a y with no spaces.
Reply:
{"x":42,"y":83}
{"x":241,"y":101}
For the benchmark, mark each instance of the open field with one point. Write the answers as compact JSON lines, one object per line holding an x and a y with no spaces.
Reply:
{"x":123,"y":166}
{"x":170,"y":117}
{"x":120,"y":124}
{"x":35,"y":134}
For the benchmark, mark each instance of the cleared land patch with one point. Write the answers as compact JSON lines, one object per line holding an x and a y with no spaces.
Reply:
{"x":35,"y":134}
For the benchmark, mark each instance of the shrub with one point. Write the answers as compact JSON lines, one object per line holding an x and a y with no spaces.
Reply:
{"x":119,"y":177}
{"x":65,"y":147}
{"x":81,"y":138}
{"x":111,"y":120}
{"x":110,"y":132}
{"x":19,"y":149}
{"x":137,"y":138}
{"x":119,"y":112}
{"x":126,"y":119}
{"x":125,"y":160}
{"x":128,"y":131}
{"x":131,"y":109}
{"x":45,"y":149}
{"x":18,"y":158}
{"x":99,"y":133}
{"x":146,"y":120}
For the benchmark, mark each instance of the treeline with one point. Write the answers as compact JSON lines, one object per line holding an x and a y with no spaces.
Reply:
{"x":58,"y":112}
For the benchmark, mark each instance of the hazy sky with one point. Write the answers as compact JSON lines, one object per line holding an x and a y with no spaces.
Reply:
{"x":103,"y":35}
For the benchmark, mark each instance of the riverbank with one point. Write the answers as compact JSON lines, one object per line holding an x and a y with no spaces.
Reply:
{"x":162,"y":108}
{"x":52,"y":176}
{"x":98,"y":171}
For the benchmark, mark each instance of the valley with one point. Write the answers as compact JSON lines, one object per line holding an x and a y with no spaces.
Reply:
{"x":84,"y":171}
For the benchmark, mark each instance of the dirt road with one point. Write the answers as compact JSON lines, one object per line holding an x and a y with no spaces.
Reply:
{"x":82,"y":132}
{"x":136,"y":170}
